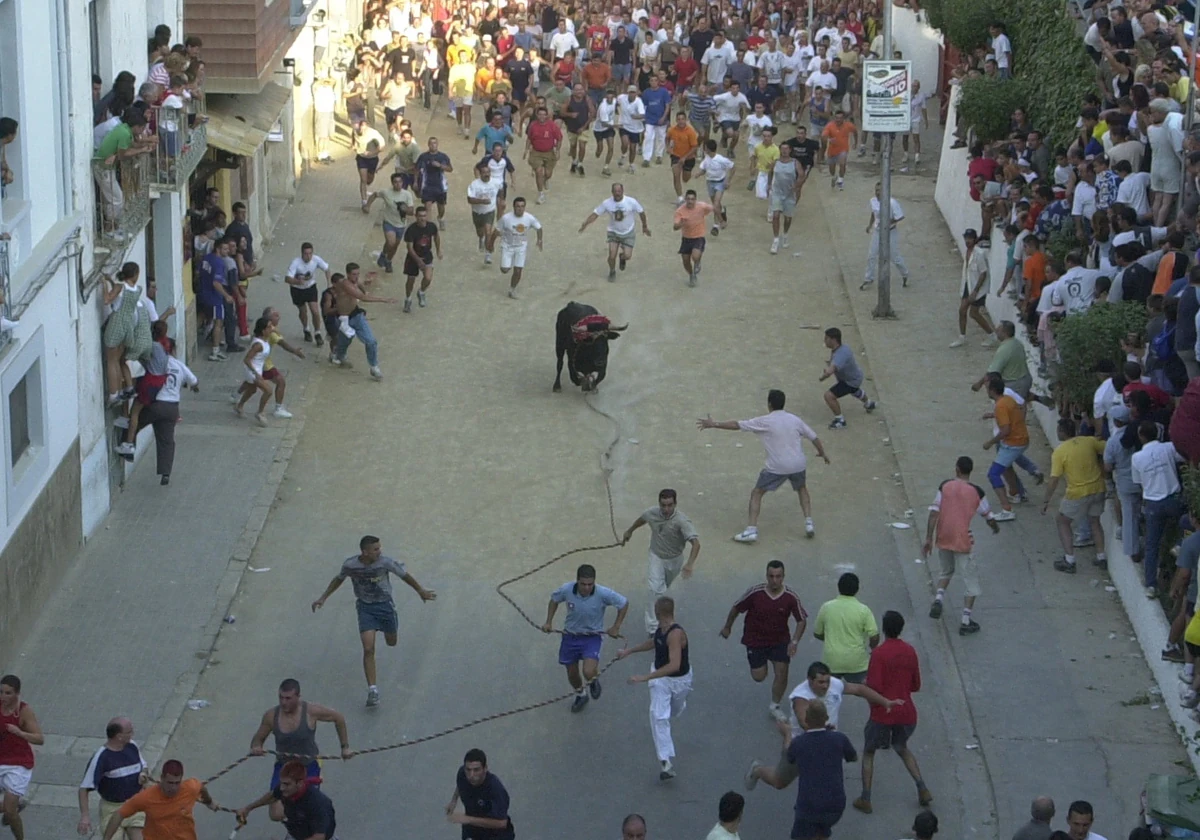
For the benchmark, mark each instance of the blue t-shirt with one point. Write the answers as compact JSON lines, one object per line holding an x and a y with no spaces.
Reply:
{"x":488,"y":800}
{"x":491,"y":136}
{"x":818,"y":756}
{"x":586,"y":615}
{"x":657,"y":101}
{"x":114,"y":773}
{"x":212,"y":273}
{"x":432,"y":179}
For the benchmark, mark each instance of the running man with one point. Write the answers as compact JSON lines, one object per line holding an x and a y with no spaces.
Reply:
{"x":485,"y":801}
{"x":731,"y":108}
{"x":167,"y":805}
{"x":765,"y":632}
{"x":621,"y":235}
{"x":398,"y":203}
{"x":302,"y":806}
{"x":481,"y":195}
{"x":844,"y":368}
{"x":22,"y":732}
{"x":782,"y":435}
{"x":368,"y":573}
{"x":783,"y":189}
{"x":432,"y":186}
{"x":583,"y":629}
{"x":631,"y":115}
{"x":368,"y":146}
{"x":543,"y":145}
{"x":689,"y":221}
{"x":117,"y":772}
{"x":605,"y":127}
{"x":293,"y":723}
{"x":718,"y":175}
{"x":682,"y":143}
{"x":894,"y":672}
{"x":949,"y":528}
{"x":840,"y":136}
{"x":670,"y":532}
{"x":349,"y":292}
{"x":302,"y":283}
{"x":421,"y":239}
{"x":513,"y":230}
{"x":893,"y":238}
{"x":670,"y":681}
{"x":577,"y":114}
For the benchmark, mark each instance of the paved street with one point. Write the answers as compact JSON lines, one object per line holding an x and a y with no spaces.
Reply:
{"x":471,"y":471}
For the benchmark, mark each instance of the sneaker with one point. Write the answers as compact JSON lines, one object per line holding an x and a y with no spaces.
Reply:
{"x":668,"y":770}
{"x":594,"y":689}
{"x":124,"y":448}
{"x":282,"y":413}
{"x":620,"y":163}
{"x":863,"y":805}
{"x":262,"y":420}
{"x":581,"y":173}
{"x":580,"y":701}
{"x":869,"y":405}
{"x":746,"y":536}
{"x":612,"y":275}
{"x":837,"y":423}
{"x":959,"y":342}
{"x":631,"y":169}
{"x":441,"y":224}
{"x":574,"y":167}
{"x":607,"y":170}
{"x":935,"y":611}
{"x":658,"y":160}
{"x":319,"y":340}
{"x":121,"y":423}
{"x":1172,"y":653}
{"x":421,"y":302}
{"x":809,"y":530}
{"x":308,"y":335}
{"x":165,"y":480}
{"x":372,"y":696}
{"x":408,"y":304}
{"x":715,"y":230}
{"x":1184,"y":678}
{"x":1083,"y":543}
{"x":1151,"y":592}
{"x":541,"y":199}
{"x":621,"y":262}
{"x":775,"y":245}
{"x":645,"y":164}
{"x":1102,"y":563}
{"x":777,"y":713}
{"x":1004,"y":516}
{"x":678,"y":200}
{"x":1190,"y":699}
{"x":376,"y":373}
{"x":1022,"y":498}
{"x":841,"y":184}
{"x":967,"y":629}
{"x":750,"y":780}
{"x":217,"y":356}
{"x":990,"y":341}
{"x":1061,"y":565}
{"x":512,"y":293}
{"x":1039,"y":478}
{"x":487,"y":259}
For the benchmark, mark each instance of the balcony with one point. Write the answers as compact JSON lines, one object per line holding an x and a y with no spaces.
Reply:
{"x":6,"y":307}
{"x":122,"y":206}
{"x":182,"y":142}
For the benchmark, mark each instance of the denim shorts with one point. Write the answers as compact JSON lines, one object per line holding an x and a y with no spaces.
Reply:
{"x":377,"y":615}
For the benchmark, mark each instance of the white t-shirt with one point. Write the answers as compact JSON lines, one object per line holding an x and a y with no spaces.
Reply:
{"x":260,"y":358}
{"x":177,"y":373}
{"x":632,"y":114}
{"x":324,"y":99}
{"x":101,"y":131}
{"x":562,"y":43}
{"x":729,"y":107}
{"x":606,"y":115}
{"x":792,"y":66}
{"x":897,"y":210}
{"x":1085,"y":201}
{"x":648,"y":52}
{"x":917,"y":106}
{"x":756,"y":124}
{"x":717,"y":60}
{"x":715,"y":167}
{"x":829,"y":32}
{"x":484,"y":189}
{"x":514,"y":229}
{"x":772,"y":64}
{"x":720,"y":833}
{"x":832,"y":700}
{"x":306,"y":271}
{"x":828,"y":81}
{"x":1106,"y":397}
{"x":621,"y":214}
{"x":1133,"y":192}
{"x":1076,"y":290}
{"x":782,"y":434}
{"x":1002,"y":48}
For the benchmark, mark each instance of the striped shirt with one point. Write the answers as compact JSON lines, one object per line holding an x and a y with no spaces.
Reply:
{"x":700,"y":109}
{"x":114,"y":773}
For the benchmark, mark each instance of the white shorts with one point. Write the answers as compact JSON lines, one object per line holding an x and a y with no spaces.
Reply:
{"x":250,"y":375}
{"x":463,"y":101}
{"x":513,"y":256}
{"x":15,"y":780}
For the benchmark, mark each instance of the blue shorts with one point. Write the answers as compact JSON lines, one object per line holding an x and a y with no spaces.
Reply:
{"x":715,"y":188}
{"x":377,"y":615}
{"x":215,"y":311}
{"x":574,"y":648}
{"x":312,"y":770}
{"x":811,"y":826}
{"x":399,"y":231}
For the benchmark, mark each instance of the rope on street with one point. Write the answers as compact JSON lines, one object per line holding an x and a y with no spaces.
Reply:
{"x":606,"y":471}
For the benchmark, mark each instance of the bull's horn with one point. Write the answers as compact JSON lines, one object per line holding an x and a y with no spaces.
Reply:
{"x":619,"y":329}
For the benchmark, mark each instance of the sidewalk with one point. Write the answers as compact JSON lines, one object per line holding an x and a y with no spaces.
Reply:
{"x":1088,"y":723}
{"x":166,"y":565}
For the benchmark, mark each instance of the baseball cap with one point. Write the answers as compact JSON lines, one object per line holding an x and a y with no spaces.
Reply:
{"x":1119,"y":414}
{"x":970,"y":233}
{"x":632,"y":88}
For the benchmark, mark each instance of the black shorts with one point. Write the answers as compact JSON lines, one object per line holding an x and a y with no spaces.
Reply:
{"x":809,"y":826}
{"x":758,"y":657}
{"x":980,"y":301}
{"x":1194,"y":650}
{"x":632,"y":136}
{"x":841,"y":389}
{"x":519,"y":94}
{"x":881,"y":736}
{"x":603,"y":133}
{"x":688,"y":165}
{"x":433,"y":197}
{"x":411,"y":269}
{"x":367,"y":163}
{"x":303,"y":296}
{"x":686,"y":246}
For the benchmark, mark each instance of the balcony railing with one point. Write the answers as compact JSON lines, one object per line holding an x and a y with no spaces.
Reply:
{"x":122,"y":203}
{"x":182,"y":142}
{"x":6,"y":307}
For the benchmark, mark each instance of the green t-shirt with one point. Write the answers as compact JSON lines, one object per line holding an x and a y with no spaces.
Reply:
{"x":847,"y":624}
{"x":556,"y":99}
{"x":117,"y":140}
{"x":1009,"y":360}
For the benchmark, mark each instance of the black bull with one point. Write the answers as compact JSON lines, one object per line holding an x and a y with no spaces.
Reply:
{"x":584,"y":358}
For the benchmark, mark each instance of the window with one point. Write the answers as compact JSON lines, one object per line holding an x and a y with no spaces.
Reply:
{"x":26,"y":422}
{"x":18,"y":419}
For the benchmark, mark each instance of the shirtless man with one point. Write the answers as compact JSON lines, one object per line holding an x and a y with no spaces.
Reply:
{"x":294,"y":724}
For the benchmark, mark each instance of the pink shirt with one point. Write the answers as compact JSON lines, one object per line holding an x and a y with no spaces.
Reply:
{"x":782,"y":435}
{"x":957,"y":502}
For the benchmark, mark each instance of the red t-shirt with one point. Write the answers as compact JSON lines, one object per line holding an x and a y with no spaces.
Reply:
{"x":1158,"y":397}
{"x":597,"y":39}
{"x":766,"y":623}
{"x":543,"y":136}
{"x":895,"y":673}
{"x":685,"y":71}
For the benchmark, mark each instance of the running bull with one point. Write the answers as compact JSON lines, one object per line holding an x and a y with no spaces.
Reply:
{"x":582,"y":335}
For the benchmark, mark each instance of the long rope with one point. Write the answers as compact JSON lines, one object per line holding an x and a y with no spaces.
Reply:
{"x":606,"y":471}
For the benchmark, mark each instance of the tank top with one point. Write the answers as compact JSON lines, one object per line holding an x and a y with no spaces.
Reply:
{"x":662,"y":653}
{"x":302,"y":741}
{"x":14,"y":751}
{"x":257,"y":362}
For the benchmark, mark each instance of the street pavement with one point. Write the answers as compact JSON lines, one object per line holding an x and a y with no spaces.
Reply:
{"x":472,"y":471}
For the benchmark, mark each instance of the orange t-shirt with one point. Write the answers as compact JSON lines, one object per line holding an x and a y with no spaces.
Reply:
{"x":596,"y":74}
{"x":166,"y":819}
{"x":682,"y":141}
{"x":483,"y":78}
{"x":1034,"y":272}
{"x":1008,"y":413}
{"x":838,"y":137}
{"x":692,"y":219}
{"x":1165,"y":275}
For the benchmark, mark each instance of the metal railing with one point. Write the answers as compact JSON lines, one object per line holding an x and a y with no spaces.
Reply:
{"x":182,"y":142}
{"x":6,"y":306}
{"x":123,"y":207}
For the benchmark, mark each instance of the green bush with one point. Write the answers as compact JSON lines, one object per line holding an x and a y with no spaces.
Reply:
{"x":935,"y":11}
{"x":1087,"y":337}
{"x":987,"y":105}
{"x":965,"y":22}
{"x":1061,"y":243}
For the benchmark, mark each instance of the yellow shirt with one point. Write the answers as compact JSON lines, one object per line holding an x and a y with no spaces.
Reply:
{"x":765,"y":156}
{"x":1192,"y":633}
{"x":1079,"y":460}
{"x":272,"y":339}
{"x":1179,"y":90}
{"x":846,"y":623}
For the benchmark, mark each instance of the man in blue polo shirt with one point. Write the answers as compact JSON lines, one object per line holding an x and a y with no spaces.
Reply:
{"x":215,"y":301}
{"x":116,"y":772}
{"x":584,"y":623}
{"x":657,"y":100}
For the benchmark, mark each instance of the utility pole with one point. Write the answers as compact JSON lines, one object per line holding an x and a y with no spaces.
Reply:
{"x":1191,"y":111}
{"x":883,"y":307}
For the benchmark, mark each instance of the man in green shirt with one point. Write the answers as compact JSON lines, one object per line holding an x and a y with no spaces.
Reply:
{"x":847,"y":627}
{"x":398,"y":202}
{"x":118,"y":144}
{"x":406,"y":153}
{"x":1009,"y":361}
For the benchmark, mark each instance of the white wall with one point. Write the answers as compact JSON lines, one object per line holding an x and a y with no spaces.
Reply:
{"x":921,"y":45}
{"x":951,"y":190}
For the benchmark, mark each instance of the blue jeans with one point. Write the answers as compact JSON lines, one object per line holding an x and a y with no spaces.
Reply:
{"x":1158,"y":513}
{"x":358,"y":321}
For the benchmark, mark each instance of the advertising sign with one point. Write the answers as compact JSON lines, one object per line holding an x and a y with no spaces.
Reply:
{"x":887,"y":96}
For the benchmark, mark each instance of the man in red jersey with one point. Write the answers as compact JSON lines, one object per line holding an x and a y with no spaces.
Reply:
{"x":894,"y":672}
{"x":765,"y":632}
